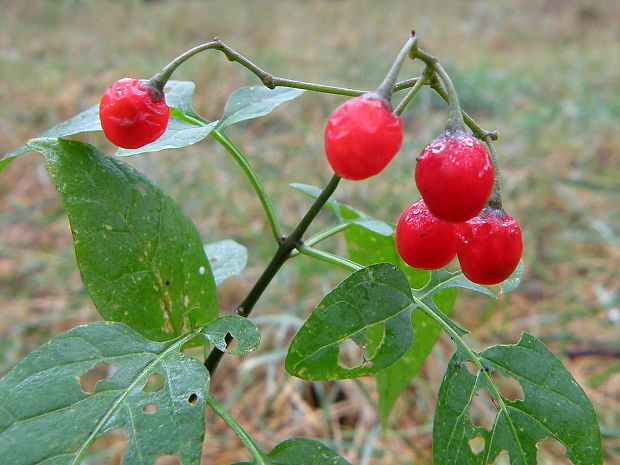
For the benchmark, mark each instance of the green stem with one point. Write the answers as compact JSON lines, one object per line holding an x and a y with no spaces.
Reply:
{"x":260,"y":458}
{"x":495,"y":201}
{"x":478,"y":131}
{"x":322,"y":236}
{"x":387,"y":86}
{"x":330,"y":258}
{"x":158,"y":81}
{"x":239,"y":157}
{"x":287,"y":245}
{"x":455,"y":118}
{"x":414,"y":90}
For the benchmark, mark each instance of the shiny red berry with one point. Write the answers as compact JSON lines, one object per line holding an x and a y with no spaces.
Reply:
{"x":489,"y":246}
{"x":362,"y":136}
{"x":132,"y":113}
{"x":422,"y":240}
{"x":454,"y":174}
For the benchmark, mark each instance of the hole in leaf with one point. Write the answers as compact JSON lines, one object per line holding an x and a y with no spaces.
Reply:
{"x":232,"y":345}
{"x":351,"y":355}
{"x":168,"y":459}
{"x":482,"y":411}
{"x":154,"y":383}
{"x":192,"y":399}
{"x":502,"y":458}
{"x":471,"y":367}
{"x":101,"y":371}
{"x":108,"y":448}
{"x":550,"y":450}
{"x":150,"y":408}
{"x":508,"y":386}
{"x":476,"y":444}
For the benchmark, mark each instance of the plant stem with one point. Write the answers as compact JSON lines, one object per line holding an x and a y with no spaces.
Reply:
{"x":287,"y":245}
{"x":450,"y":97}
{"x":322,"y":236}
{"x":387,"y":86}
{"x":330,"y":258}
{"x":269,"y":80}
{"x":239,"y":157}
{"x":414,"y":90}
{"x":495,"y":201}
{"x":258,"y":455}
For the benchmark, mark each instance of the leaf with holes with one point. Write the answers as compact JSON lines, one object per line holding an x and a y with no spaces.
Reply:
{"x":141,"y":259}
{"x":553,"y":406}
{"x":254,"y":101}
{"x":244,"y":331}
{"x":303,"y":451}
{"x":366,"y":246}
{"x":45,"y":417}
{"x":228,"y":258}
{"x":371,"y":307}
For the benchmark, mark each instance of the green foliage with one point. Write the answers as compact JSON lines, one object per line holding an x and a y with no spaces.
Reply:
{"x":243,"y":330}
{"x":141,"y":259}
{"x":254,"y":101}
{"x":374,"y":299}
{"x":46,"y":417}
{"x":553,"y":405}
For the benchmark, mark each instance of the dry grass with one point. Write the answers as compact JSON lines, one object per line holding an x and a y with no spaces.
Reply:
{"x":544,"y":73}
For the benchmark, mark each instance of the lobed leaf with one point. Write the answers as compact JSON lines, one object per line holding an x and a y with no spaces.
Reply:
{"x":227,"y":258}
{"x":46,"y":417}
{"x":141,"y":259}
{"x":303,"y":451}
{"x":553,"y":406}
{"x":254,"y":101}
{"x":372,"y":308}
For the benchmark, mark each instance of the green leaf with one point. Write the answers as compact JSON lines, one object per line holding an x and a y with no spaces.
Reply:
{"x":553,"y":406}
{"x":254,"y":101}
{"x":141,"y":259}
{"x":86,"y":121}
{"x":378,"y":295}
{"x":227,"y":258}
{"x":45,"y":416}
{"x":514,"y":280}
{"x":179,"y":95}
{"x":303,"y":451}
{"x":243,"y":330}
{"x":178,"y":134}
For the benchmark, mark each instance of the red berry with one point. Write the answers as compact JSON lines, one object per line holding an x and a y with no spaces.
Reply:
{"x":362,"y":136}
{"x":454,"y":174}
{"x":132,"y":113}
{"x":489,"y":246}
{"x":422,"y":240}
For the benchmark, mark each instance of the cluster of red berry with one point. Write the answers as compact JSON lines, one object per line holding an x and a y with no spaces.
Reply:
{"x":455,"y":176}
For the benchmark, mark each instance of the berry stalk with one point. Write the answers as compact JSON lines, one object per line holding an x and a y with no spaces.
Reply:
{"x":387,"y":86}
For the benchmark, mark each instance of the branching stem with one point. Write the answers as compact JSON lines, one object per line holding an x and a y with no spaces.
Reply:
{"x":287,"y":245}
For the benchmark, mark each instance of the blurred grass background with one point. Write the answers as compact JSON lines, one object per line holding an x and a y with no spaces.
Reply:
{"x":544,"y":73}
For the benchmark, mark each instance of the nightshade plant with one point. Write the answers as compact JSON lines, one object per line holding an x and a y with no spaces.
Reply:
{"x":143,"y":265}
